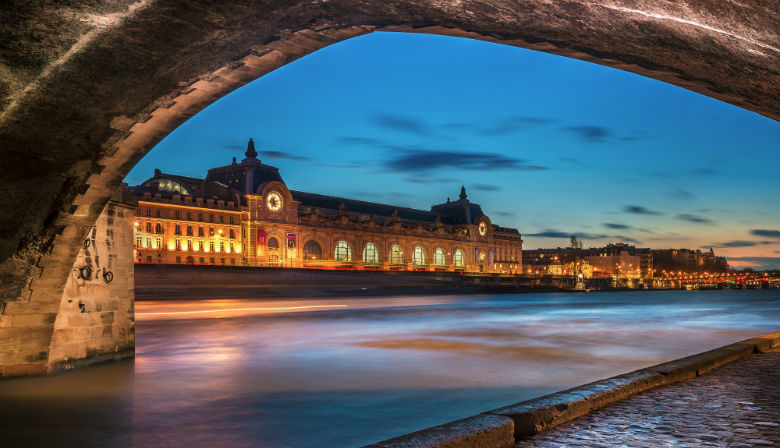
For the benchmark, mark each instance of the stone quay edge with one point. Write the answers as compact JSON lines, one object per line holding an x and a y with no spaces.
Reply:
{"x":490,"y":429}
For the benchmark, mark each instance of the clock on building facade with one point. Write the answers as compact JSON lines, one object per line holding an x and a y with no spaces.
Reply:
{"x":482,"y":228}
{"x":274,"y":201}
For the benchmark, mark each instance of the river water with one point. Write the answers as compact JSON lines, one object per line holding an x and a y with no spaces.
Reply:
{"x":347,"y":372}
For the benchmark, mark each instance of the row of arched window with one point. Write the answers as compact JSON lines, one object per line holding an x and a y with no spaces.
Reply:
{"x":343,"y":253}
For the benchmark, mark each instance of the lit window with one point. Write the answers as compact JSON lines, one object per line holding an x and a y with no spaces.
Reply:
{"x":396,"y":255}
{"x":418,"y":256}
{"x":312,"y":250}
{"x":343,"y":251}
{"x":458,"y":259}
{"x":439,"y":259}
{"x":370,"y":254}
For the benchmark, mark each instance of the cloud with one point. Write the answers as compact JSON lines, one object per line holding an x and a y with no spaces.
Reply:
{"x":552,"y":233}
{"x":515,"y":124}
{"x":352,"y":140}
{"x":704,"y":171}
{"x":484,"y":187}
{"x":625,"y":238}
{"x":430,"y":180}
{"x":639,"y":210}
{"x":636,"y":136}
{"x":764,"y":263}
{"x":612,"y":225}
{"x":505,"y":214}
{"x":417,"y":161}
{"x":593,"y":134}
{"x":401,"y":123}
{"x":694,"y":218}
{"x":282,"y":155}
{"x":766,"y":233}
{"x":681,"y":194}
{"x":574,"y":161}
{"x":735,"y":243}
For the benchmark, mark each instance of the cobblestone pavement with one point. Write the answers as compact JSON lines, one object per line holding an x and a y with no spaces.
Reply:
{"x":737,"y":405}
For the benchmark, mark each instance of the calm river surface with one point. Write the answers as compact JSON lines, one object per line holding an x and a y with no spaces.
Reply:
{"x":347,"y":372}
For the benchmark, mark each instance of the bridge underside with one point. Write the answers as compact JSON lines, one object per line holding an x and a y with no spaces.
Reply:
{"x":87,"y":89}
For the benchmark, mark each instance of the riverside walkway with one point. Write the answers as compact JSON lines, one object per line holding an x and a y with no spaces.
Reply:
{"x":737,"y":405}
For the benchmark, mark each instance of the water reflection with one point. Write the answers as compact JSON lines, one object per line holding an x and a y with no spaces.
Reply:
{"x":346,"y":372}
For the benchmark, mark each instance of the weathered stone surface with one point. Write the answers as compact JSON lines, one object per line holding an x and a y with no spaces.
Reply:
{"x":91,"y":319}
{"x":540,"y":414}
{"x":480,"y":431}
{"x":703,"y":411}
{"x":87,"y":88}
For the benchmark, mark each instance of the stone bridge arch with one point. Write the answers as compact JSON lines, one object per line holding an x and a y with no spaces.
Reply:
{"x":87,"y":90}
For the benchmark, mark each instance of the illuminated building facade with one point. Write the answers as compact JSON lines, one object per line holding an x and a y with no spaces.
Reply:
{"x":244,"y":214}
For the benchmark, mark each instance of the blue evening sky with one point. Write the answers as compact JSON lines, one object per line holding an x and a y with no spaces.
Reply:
{"x":549,"y":145}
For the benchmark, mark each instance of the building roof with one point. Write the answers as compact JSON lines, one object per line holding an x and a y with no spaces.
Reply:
{"x":369,"y":208}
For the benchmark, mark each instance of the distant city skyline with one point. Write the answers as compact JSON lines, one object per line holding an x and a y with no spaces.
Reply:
{"x":552,"y":146}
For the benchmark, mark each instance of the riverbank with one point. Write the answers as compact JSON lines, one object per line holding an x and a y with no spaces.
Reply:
{"x":508,"y":425}
{"x":167,"y":282}
{"x":188,"y":282}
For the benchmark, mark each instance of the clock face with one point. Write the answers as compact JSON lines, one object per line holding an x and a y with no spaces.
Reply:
{"x":482,"y":228}
{"x":273,"y":201}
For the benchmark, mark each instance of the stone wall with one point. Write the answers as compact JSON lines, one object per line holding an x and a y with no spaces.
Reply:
{"x":91,"y":320}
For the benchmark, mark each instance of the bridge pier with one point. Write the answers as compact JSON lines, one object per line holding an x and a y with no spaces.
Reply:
{"x":63,"y":320}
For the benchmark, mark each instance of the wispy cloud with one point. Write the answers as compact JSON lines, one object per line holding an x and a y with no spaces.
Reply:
{"x":766,"y":233}
{"x":704,"y":171}
{"x":756,"y":262}
{"x":417,"y":161}
{"x":552,"y":233}
{"x":681,"y":194}
{"x":277,"y":155}
{"x":737,"y":243}
{"x":612,"y":225}
{"x":354,"y":140}
{"x":401,"y":123}
{"x":694,"y":218}
{"x":627,"y":239}
{"x":640,"y":210}
{"x":430,"y":180}
{"x":574,"y":161}
{"x":485,"y":187}
{"x":505,"y":214}
{"x":593,"y":134}
{"x":515,"y":124}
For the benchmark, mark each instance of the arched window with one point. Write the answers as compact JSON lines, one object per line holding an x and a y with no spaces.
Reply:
{"x":439,"y":259}
{"x":370,"y":254}
{"x":273,"y":243}
{"x":418,"y":256}
{"x":458,"y":259}
{"x":312,"y":250}
{"x":396,"y":255}
{"x":343,"y":251}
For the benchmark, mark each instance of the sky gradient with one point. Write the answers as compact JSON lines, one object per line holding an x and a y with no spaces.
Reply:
{"x":549,"y":145}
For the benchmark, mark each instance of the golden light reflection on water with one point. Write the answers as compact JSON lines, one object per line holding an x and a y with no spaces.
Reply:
{"x":230,"y":308}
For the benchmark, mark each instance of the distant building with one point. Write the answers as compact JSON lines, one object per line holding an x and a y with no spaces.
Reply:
{"x":613,"y":260}
{"x":688,"y":261}
{"x":244,"y":214}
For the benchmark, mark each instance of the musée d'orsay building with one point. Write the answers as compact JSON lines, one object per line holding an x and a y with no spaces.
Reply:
{"x":243,"y":214}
